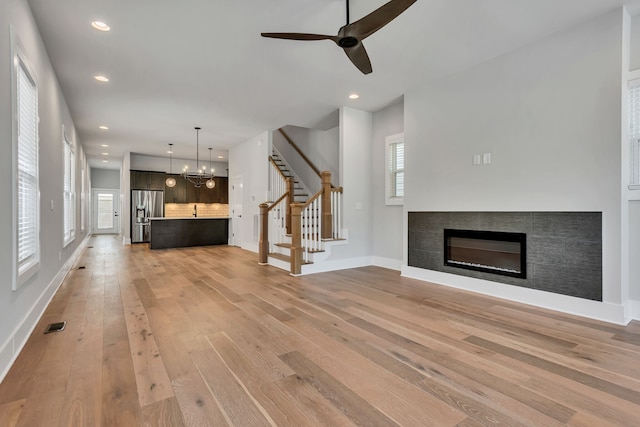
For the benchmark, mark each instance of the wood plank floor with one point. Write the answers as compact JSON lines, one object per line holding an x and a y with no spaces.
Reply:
{"x":207,"y":337}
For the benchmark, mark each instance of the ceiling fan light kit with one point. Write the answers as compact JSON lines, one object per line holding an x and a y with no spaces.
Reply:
{"x":350,"y":36}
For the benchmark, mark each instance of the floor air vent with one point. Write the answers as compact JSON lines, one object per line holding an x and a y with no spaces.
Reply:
{"x":55,"y":327}
{"x":82,"y":267}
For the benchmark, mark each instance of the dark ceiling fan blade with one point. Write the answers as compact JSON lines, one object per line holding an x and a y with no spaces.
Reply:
{"x":377,"y":19}
{"x":299,"y":36}
{"x":358,"y":55}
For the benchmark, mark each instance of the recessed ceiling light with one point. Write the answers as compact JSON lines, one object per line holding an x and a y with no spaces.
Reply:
{"x":354,"y":96}
{"x":100,"y":26}
{"x":105,"y":154}
{"x":169,"y":152}
{"x":101,"y":78}
{"x":104,"y":145}
{"x":221,"y":157}
{"x":105,"y":161}
{"x":103,"y":127}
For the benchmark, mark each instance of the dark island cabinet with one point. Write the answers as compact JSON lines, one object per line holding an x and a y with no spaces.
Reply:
{"x":143,"y":180}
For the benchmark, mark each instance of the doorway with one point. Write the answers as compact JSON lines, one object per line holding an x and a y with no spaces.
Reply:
{"x":236,"y":211}
{"x":106,"y":208}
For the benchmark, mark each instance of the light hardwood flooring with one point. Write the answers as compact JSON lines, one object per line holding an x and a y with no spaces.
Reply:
{"x":207,"y":337}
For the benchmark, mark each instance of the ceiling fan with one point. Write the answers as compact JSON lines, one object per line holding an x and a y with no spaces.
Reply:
{"x":350,"y":36}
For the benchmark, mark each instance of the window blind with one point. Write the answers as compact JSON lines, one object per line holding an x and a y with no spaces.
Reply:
{"x":69,"y":192}
{"x":634,"y":133}
{"x":27,"y":170}
{"x":396,"y":169}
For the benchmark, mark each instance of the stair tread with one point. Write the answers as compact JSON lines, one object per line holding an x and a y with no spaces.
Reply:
{"x":288,"y":245}
{"x":286,"y":258}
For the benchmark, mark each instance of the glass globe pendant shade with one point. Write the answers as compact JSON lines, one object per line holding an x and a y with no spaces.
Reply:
{"x":170,"y":181}
{"x":210,"y":183}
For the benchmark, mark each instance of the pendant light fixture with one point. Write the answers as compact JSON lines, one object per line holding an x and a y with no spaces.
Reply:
{"x":210,"y":183}
{"x":200,"y":176}
{"x":170,"y":181}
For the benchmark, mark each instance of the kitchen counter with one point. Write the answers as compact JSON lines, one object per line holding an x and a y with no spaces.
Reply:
{"x":189,"y":231}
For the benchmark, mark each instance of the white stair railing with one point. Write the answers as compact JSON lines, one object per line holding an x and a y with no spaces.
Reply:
{"x":277,"y":181}
{"x":311,"y":227}
{"x":278,"y":223}
{"x":336,"y":213}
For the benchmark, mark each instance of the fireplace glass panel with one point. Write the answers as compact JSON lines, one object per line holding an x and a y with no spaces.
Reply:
{"x":494,"y":252}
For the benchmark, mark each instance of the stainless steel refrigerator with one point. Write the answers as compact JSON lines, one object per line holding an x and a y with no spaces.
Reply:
{"x":145,"y":204}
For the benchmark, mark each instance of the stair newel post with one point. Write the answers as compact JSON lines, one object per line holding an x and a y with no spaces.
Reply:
{"x":290,"y":200}
{"x":296,"y":238}
{"x":327,"y":217}
{"x":263,"y":245}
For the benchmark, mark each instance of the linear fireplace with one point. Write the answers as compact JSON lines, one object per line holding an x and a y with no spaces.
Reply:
{"x":489,"y":251}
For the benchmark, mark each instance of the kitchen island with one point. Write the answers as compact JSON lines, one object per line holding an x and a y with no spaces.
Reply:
{"x":184,"y":232}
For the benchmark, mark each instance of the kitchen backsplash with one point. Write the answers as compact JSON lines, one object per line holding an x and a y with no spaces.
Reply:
{"x":205,"y":210}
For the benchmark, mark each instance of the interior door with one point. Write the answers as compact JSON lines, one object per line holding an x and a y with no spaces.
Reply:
{"x":236,"y":211}
{"x":106,"y":211}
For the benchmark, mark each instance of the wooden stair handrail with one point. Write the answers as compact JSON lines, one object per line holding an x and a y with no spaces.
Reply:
{"x":274,"y":204}
{"x":295,"y":147}
{"x":314,"y":197}
{"x":273,"y":162}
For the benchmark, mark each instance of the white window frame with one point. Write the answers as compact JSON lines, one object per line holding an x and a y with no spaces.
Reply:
{"x":69,"y":190}
{"x":24,"y":269}
{"x":391,"y":170}
{"x":82,"y":191}
{"x":634,"y":133}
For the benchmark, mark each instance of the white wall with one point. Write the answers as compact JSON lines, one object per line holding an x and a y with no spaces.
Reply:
{"x":105,"y":178}
{"x":125,"y":197}
{"x":387,"y":220}
{"x":21,"y":309}
{"x":161,"y":164}
{"x":250,"y":160}
{"x":635,"y":43}
{"x":355,"y":173}
{"x":634,"y":245}
{"x":550,"y":115}
{"x":320,"y":146}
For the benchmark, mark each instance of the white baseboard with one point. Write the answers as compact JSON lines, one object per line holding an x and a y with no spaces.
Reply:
{"x":338,"y":264}
{"x":634,"y":310}
{"x":390,"y":263}
{"x":251,"y":247}
{"x":612,"y":313}
{"x":13,"y":346}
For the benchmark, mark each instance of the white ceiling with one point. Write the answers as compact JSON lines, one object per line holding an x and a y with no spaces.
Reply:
{"x":175,"y":64}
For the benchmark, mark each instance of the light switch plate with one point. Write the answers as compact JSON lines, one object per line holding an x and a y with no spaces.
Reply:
{"x":486,"y":158}
{"x":476,"y":159}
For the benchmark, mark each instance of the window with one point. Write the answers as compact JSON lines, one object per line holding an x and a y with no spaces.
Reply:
{"x":394,"y":171}
{"x":82,"y":191}
{"x":634,"y":131}
{"x":69,"y":190}
{"x":25,"y":162}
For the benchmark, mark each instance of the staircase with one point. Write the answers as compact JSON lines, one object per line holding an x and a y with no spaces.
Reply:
{"x":301,"y":193}
{"x":296,"y":230}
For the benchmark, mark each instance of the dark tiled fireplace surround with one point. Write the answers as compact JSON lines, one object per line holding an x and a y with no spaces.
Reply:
{"x":563,"y":249}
